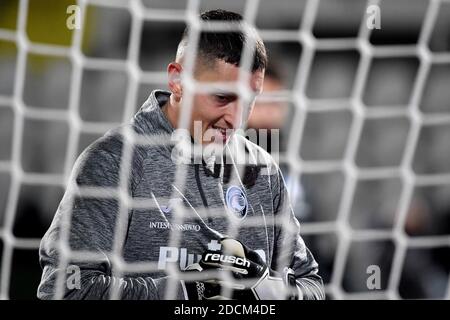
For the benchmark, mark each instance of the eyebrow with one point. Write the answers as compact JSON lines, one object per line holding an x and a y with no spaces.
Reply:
{"x":227,"y":94}
{"x":231,"y":94}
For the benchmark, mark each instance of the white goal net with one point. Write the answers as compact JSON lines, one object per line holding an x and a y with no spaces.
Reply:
{"x":366,"y":132}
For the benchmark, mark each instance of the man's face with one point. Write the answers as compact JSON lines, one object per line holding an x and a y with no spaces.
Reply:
{"x":221,"y":111}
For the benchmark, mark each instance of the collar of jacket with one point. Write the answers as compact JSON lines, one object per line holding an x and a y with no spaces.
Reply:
{"x":150,"y":121}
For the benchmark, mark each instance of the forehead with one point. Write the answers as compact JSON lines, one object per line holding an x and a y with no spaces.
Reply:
{"x":222,"y":71}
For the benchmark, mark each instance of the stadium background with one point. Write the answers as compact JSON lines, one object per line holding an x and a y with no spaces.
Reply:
{"x":370,"y":111}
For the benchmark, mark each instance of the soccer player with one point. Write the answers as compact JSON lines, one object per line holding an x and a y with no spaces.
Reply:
{"x":238,"y":236}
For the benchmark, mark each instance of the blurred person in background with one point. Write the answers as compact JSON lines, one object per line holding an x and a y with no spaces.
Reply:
{"x":272,"y":113}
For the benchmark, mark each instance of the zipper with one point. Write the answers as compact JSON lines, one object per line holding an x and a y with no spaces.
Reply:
{"x":199,"y":185}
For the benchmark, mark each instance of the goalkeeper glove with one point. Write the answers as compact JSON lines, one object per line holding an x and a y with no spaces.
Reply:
{"x":249,"y":276}
{"x":208,"y":289}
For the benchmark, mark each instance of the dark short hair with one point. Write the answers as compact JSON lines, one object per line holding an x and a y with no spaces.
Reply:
{"x":227,"y":45}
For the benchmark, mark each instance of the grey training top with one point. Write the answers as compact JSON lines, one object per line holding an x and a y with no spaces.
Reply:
{"x":90,"y":221}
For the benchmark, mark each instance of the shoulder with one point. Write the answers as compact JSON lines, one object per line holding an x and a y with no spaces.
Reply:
{"x":99,"y":163}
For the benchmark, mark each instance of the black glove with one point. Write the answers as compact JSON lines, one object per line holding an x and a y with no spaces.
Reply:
{"x":200,"y":289}
{"x":240,"y":273}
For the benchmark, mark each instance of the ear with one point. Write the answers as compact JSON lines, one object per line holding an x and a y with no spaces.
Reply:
{"x":174,"y":70}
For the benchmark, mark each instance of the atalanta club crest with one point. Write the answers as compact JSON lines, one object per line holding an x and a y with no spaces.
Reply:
{"x":236,"y":201}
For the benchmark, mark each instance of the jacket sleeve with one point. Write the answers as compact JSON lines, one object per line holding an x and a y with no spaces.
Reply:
{"x":88,"y":225}
{"x":290,"y":249}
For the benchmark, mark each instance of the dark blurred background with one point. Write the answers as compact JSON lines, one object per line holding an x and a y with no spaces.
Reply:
{"x":365,"y":134}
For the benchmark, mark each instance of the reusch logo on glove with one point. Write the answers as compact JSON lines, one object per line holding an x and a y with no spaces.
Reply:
{"x":216,"y":257}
